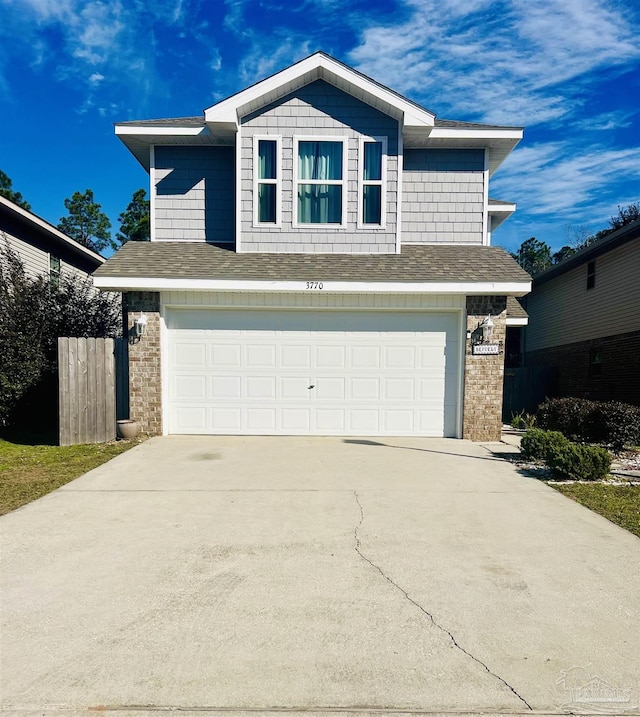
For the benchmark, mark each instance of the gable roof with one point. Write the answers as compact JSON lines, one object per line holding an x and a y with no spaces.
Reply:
{"x":167,"y":265}
{"x":26,"y":225}
{"x":611,"y":241}
{"x":220,"y":122}
{"x":318,"y":66}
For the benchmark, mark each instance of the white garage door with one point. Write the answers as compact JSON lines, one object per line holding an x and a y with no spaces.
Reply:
{"x":312,"y":372}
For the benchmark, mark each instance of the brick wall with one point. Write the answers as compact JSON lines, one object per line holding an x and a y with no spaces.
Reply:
{"x":145,"y":381}
{"x":616,"y":379}
{"x":483,"y":375}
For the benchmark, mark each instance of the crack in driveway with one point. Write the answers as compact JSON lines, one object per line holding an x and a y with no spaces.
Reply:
{"x":422,"y":609}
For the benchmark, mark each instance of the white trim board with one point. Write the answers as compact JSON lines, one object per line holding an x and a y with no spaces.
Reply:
{"x":399,"y":287}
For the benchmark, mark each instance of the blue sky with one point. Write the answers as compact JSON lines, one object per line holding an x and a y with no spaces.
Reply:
{"x":568,"y":70}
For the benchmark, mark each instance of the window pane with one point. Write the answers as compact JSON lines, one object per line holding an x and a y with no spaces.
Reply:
{"x":266,"y":159}
{"x":372,"y":160}
{"x":319,"y":203}
{"x":372,"y":205}
{"x":320,"y":160}
{"x":267,"y":203}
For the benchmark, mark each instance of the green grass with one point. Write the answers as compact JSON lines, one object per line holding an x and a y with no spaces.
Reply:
{"x":28,"y":471}
{"x":618,"y":503}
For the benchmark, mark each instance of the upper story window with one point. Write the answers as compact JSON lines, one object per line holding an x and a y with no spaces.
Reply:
{"x":54,"y":270}
{"x":320,"y":181}
{"x":591,"y":275}
{"x":267,"y":186}
{"x":372,"y":175}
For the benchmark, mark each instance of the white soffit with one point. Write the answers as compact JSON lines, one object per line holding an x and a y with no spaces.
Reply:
{"x":318,"y":66}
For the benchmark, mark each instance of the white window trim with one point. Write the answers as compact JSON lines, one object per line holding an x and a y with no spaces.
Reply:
{"x":277,"y":181}
{"x":342,"y":182}
{"x":382,"y":182}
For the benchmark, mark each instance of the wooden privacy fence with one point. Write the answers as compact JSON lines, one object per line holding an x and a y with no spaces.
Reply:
{"x":87,"y":389}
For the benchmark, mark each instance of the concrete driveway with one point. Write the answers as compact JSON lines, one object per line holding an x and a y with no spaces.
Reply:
{"x":267,"y":575}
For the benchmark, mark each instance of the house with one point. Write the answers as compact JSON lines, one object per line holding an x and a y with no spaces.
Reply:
{"x":585,"y":319}
{"x":320,"y":263}
{"x":43,"y":249}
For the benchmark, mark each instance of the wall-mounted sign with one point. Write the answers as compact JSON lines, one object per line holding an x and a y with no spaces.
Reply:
{"x":485,"y":349}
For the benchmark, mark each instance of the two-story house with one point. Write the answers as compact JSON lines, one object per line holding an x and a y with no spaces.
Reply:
{"x":585,"y":319}
{"x":43,"y":249}
{"x":320,"y":263}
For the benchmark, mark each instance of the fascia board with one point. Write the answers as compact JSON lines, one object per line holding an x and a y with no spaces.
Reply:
{"x":502,"y":208}
{"x":136,"y":130}
{"x":466,"y":133}
{"x":50,"y":229}
{"x":514,"y":288}
{"x":317,"y":65}
{"x":517,"y":321}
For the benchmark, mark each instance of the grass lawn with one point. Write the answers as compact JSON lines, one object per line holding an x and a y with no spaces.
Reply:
{"x":30,"y":471}
{"x":618,"y":503}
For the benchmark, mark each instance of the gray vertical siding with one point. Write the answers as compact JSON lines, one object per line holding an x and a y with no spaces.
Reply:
{"x":195,"y":193}
{"x":442,"y":196}
{"x":318,"y":109}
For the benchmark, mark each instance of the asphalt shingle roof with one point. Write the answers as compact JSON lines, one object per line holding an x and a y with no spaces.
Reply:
{"x":514,"y":309}
{"x":425,"y":263}
{"x":199,"y":122}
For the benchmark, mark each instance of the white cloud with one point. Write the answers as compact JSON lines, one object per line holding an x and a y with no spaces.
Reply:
{"x":507,"y":62}
{"x":96,"y":78}
{"x":555,"y":179}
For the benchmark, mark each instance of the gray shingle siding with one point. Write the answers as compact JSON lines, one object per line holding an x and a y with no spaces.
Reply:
{"x":195,"y":193}
{"x":318,"y":109}
{"x":443,"y":196}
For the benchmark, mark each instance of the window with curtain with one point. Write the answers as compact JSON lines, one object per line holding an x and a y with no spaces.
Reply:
{"x":372,"y":163}
{"x":320,"y":182}
{"x":267,"y":178}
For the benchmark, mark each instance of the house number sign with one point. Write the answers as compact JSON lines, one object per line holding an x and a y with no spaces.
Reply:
{"x":315,"y":285}
{"x":485,"y":349}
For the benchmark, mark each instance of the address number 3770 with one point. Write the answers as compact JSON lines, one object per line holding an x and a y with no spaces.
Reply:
{"x":315,"y":285}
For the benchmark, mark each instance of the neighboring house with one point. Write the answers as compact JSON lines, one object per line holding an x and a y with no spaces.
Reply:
{"x":43,"y":249}
{"x":585,"y":319}
{"x":320,"y":263}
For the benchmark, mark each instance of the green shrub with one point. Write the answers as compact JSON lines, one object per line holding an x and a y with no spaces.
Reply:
{"x":577,"y":462}
{"x":570,"y":416}
{"x":537,"y":444}
{"x":615,"y":424}
{"x":609,"y":423}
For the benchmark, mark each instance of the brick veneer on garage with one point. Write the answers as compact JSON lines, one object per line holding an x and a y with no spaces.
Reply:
{"x":145,"y":381}
{"x":483,"y":374}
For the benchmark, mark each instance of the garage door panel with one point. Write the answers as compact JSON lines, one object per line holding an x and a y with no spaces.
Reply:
{"x":364,"y":356}
{"x":365,"y":388}
{"x":225,"y":420}
{"x":330,"y":357}
{"x":261,"y":419}
{"x":189,"y":387}
{"x":260,"y":387}
{"x":399,"y":389}
{"x":225,"y":387}
{"x":373,"y":373}
{"x":295,"y":387}
{"x":295,"y":356}
{"x":400,"y":357}
{"x":225,"y":355}
{"x":296,"y":420}
{"x":330,"y":389}
{"x":190,"y":354}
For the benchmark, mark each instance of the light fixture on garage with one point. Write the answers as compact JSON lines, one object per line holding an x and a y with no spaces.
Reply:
{"x":141,"y":325}
{"x":487,"y":329}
